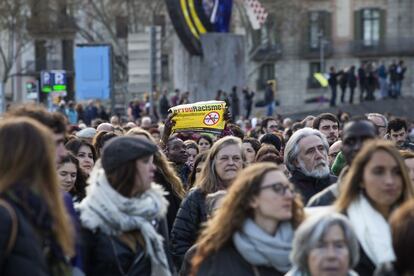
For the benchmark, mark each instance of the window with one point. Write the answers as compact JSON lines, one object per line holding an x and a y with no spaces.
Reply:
{"x":315,"y":30}
{"x":370,"y":27}
{"x":267,"y":72}
{"x":314,"y":67}
{"x":319,"y":27}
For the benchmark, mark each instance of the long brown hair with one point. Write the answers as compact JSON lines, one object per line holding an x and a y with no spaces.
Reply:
{"x":209,"y":180}
{"x":162,"y":164}
{"x":236,"y":208}
{"x":28,"y":157}
{"x":350,"y":188}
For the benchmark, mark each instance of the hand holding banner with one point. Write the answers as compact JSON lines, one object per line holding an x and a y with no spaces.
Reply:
{"x":201,"y":116}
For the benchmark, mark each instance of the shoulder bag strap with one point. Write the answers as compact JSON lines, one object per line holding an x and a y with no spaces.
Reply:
{"x":13,"y":234}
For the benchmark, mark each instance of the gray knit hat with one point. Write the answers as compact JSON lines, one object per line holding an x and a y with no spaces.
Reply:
{"x":120,"y":150}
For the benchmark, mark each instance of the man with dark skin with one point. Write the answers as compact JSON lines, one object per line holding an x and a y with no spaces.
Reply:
{"x":354,"y":134}
{"x":175,"y":151}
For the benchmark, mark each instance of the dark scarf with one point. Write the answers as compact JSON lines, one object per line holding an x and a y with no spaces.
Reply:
{"x":35,"y":209}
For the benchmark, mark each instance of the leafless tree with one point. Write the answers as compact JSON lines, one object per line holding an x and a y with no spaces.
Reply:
{"x":98,"y":20}
{"x":14,"y":38}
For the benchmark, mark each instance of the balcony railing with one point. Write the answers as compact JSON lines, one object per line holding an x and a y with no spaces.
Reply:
{"x":308,"y":52}
{"x":267,"y":52}
{"x":387,"y":47}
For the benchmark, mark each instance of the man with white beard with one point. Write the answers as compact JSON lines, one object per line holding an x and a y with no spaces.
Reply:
{"x":306,"y":157}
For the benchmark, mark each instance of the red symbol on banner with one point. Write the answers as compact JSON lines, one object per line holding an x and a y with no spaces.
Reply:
{"x":211,"y":118}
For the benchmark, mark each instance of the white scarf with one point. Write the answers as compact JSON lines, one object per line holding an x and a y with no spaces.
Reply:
{"x":372,"y":230}
{"x":105,"y":209}
{"x":259,"y":248}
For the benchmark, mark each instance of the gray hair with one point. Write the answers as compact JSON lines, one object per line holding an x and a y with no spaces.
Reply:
{"x":383,"y":118}
{"x":312,"y":231}
{"x":292,"y":148}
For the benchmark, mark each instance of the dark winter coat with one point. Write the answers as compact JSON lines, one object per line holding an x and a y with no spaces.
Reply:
{"x":235,"y":104}
{"x":248,"y":99}
{"x":352,"y":79}
{"x":328,"y":196}
{"x":324,"y":198}
{"x":228,"y":261}
{"x":343,"y":81}
{"x":26,"y":257}
{"x":164,"y":106}
{"x":308,"y":186}
{"x":269,"y":95}
{"x":362,"y":76}
{"x":333,"y":78}
{"x":106,"y":255}
{"x":190,"y":216}
{"x":91,"y":113}
{"x":365,"y":266}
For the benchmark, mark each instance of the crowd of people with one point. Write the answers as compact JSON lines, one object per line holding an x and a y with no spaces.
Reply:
{"x":326,"y":195}
{"x":369,"y":77}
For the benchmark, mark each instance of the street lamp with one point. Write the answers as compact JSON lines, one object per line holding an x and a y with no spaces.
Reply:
{"x":322,"y":43}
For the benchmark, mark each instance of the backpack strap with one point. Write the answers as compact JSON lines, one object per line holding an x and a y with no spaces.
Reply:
{"x":13,"y":234}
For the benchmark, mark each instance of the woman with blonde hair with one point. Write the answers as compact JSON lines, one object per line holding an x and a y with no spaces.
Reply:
{"x":264,"y":211}
{"x":164,"y":175}
{"x":36,"y":236}
{"x":224,"y":161}
{"x":376,"y":184}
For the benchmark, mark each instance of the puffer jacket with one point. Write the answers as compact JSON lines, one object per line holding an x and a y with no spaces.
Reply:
{"x":26,"y":256}
{"x":190,"y":216}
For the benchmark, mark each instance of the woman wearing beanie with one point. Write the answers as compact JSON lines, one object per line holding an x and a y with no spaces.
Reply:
{"x":121,"y":212}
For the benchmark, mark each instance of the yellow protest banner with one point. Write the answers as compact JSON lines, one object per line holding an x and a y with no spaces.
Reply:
{"x":321,"y":79}
{"x":200,"y":116}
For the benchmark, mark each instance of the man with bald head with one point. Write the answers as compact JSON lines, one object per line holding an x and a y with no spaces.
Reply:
{"x":354,"y":134}
{"x":334,"y":149}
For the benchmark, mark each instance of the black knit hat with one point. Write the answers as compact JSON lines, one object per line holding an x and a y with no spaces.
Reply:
{"x":272,"y":139}
{"x":120,"y":150}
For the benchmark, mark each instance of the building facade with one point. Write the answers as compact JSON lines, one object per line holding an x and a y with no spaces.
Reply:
{"x":338,"y":33}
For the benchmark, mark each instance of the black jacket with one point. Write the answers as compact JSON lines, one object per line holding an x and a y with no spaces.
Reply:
{"x":105,"y":255}
{"x":365,"y":266}
{"x":328,"y":196}
{"x":187,"y":224}
{"x":228,"y":261}
{"x":26,"y":257}
{"x":324,"y":198}
{"x":308,"y":186}
{"x":108,"y":255}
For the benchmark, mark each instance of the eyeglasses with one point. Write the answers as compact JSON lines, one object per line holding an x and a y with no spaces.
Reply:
{"x":279,"y":188}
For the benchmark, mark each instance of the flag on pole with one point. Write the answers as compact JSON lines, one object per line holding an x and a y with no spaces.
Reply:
{"x":321,"y":78}
{"x":256,"y":13}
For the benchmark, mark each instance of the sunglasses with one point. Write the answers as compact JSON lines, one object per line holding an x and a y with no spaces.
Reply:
{"x":279,"y":188}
